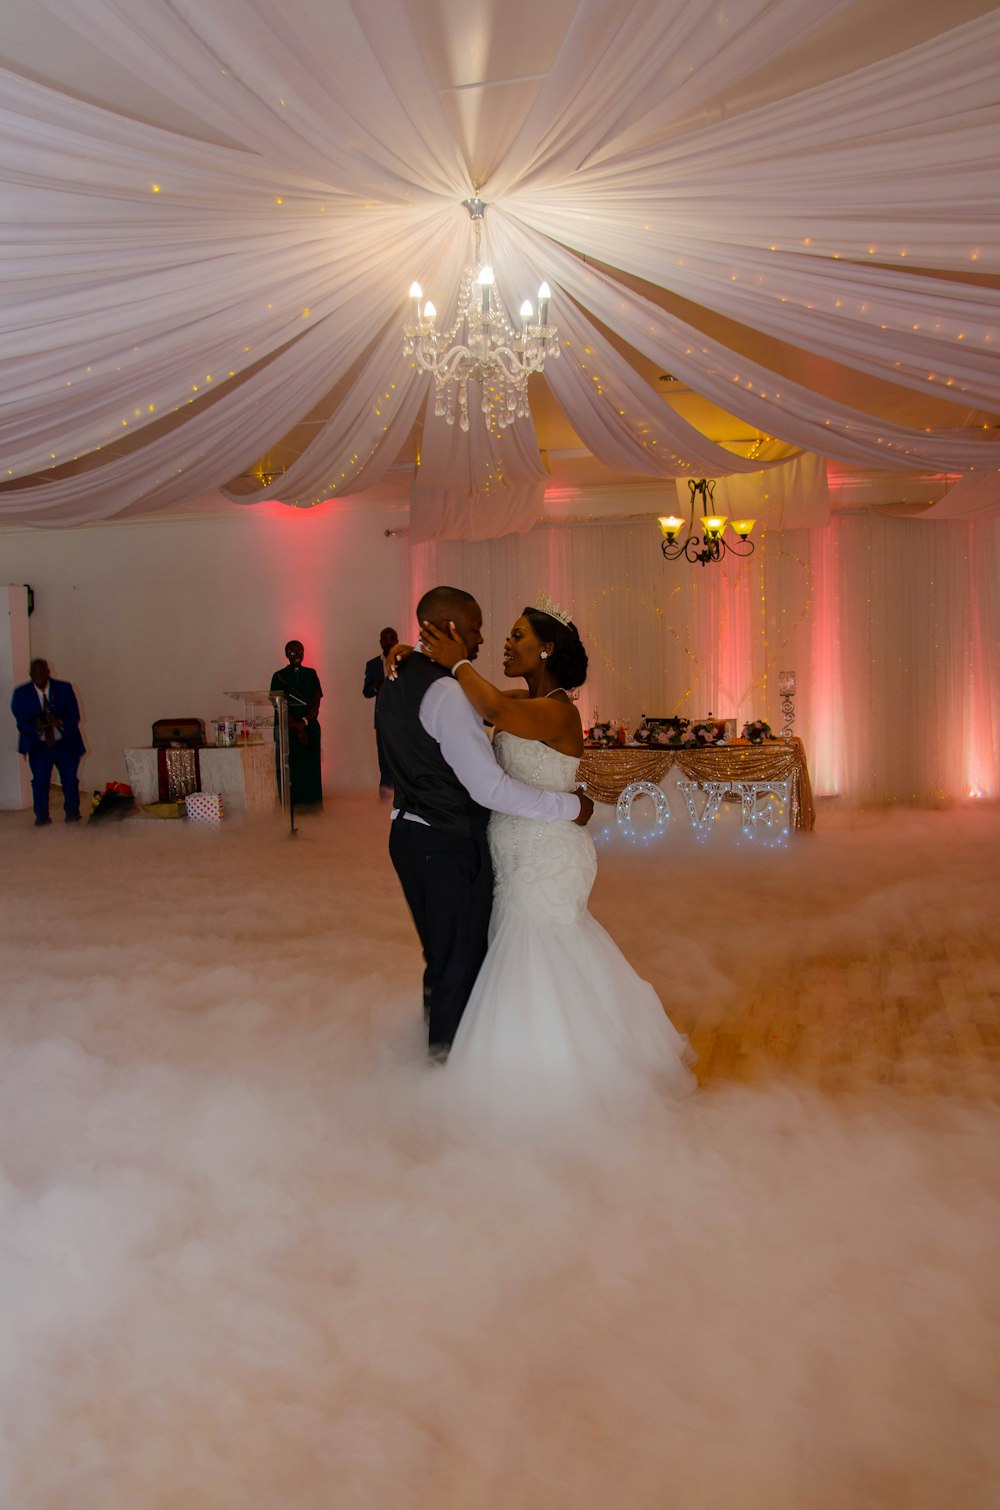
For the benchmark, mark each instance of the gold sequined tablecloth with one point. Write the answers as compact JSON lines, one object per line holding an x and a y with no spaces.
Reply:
{"x":608,"y":772}
{"x":179,"y":774}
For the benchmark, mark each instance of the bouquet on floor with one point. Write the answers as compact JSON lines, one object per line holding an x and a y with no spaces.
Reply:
{"x":756,"y":731}
{"x":116,"y":801}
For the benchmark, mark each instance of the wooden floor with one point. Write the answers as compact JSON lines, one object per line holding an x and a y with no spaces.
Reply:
{"x":924,"y":1019}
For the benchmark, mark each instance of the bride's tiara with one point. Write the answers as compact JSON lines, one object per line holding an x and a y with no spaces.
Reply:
{"x":544,"y":604}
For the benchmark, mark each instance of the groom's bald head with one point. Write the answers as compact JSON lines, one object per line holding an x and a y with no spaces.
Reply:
{"x":442,"y":606}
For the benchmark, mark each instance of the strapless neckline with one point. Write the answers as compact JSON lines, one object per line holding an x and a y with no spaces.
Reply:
{"x":535,"y":763}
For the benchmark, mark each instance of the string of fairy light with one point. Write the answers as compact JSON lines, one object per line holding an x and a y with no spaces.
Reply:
{"x":603,"y":384}
{"x":200,"y":385}
{"x":771,"y":651}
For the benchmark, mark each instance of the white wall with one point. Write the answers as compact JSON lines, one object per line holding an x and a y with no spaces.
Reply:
{"x":15,"y":782}
{"x":157,"y":617}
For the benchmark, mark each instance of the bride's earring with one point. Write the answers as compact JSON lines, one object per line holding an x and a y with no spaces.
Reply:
{"x":545,"y":655}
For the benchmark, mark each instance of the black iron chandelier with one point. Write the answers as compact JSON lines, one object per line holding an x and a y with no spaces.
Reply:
{"x":710,"y":545}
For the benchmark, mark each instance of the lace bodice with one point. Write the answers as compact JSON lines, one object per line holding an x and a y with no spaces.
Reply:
{"x":557,"y":1018}
{"x":530,"y":761}
{"x":543,"y":870}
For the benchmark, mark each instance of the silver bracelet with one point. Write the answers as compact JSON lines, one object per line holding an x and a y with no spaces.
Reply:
{"x":460,"y":663}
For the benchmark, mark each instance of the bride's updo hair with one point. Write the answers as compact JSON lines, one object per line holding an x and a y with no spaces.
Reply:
{"x":568,"y":662}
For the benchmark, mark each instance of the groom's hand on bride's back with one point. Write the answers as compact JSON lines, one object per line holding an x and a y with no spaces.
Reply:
{"x":586,"y":808}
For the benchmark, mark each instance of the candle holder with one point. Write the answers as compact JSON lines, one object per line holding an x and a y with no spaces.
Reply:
{"x":786,"y":691}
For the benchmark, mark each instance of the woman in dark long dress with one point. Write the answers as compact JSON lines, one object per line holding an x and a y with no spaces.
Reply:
{"x":300,"y":685}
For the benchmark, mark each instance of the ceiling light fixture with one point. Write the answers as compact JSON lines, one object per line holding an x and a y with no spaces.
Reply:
{"x":482,"y":346}
{"x":262,"y":474}
{"x":709,"y":545}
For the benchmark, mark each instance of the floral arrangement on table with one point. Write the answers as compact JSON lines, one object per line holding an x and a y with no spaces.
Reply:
{"x":661,"y":733}
{"x":705,"y":734}
{"x":756,"y":731}
{"x":679,"y":734}
{"x":605,"y":736}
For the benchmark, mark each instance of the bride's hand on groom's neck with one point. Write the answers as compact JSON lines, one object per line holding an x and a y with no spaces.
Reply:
{"x":444,"y":644}
{"x":395,"y":658}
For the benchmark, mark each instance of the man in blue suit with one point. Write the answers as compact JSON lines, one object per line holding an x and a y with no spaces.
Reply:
{"x":374,"y":677}
{"x":48,"y":727}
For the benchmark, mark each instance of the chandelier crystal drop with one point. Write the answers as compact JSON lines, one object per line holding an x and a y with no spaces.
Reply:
{"x":710,"y":544}
{"x":481,"y":346}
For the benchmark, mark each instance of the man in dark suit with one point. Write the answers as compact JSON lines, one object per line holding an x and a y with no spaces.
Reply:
{"x":374,"y":677}
{"x":48,"y":728}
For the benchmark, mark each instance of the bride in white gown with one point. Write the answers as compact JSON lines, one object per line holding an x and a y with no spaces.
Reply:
{"x":556,"y":1007}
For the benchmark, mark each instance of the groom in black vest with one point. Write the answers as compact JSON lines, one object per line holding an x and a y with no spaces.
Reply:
{"x":447,"y":783}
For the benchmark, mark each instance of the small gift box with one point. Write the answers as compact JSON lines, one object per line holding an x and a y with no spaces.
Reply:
{"x":204,"y":808}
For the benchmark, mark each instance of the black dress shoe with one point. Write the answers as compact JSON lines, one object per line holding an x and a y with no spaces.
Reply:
{"x":72,"y":817}
{"x":438,"y":1053}
{"x":42,"y":822}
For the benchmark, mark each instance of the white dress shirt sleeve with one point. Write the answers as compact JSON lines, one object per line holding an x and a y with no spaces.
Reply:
{"x":447,"y":716}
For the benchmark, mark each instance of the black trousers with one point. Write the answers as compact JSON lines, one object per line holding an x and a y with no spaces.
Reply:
{"x":448,"y":885}
{"x":384,"y":773}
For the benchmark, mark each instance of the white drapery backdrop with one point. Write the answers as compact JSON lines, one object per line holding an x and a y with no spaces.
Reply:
{"x":172,"y":307}
{"x":892,"y":626}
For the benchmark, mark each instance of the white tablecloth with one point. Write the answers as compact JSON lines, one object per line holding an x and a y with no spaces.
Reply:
{"x":242,"y":774}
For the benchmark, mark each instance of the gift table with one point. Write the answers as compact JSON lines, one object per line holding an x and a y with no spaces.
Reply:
{"x":610,"y":771}
{"x":243,"y":774}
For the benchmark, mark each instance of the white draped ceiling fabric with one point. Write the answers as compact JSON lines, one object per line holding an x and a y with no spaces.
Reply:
{"x":173,"y":307}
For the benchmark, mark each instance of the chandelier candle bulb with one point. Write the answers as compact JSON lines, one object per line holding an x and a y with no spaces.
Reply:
{"x":544,"y":295}
{"x":526,"y":313}
{"x":486,"y":281}
{"x":416,"y":294}
{"x":430,"y":313}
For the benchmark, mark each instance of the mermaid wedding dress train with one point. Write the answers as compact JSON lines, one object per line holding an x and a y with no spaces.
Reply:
{"x":557,"y":1011}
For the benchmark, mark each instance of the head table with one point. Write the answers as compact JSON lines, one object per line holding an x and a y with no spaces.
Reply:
{"x":608,"y":771}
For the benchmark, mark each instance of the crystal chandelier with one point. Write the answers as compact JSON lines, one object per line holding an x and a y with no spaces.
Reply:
{"x":710,"y":544}
{"x":482,"y":346}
